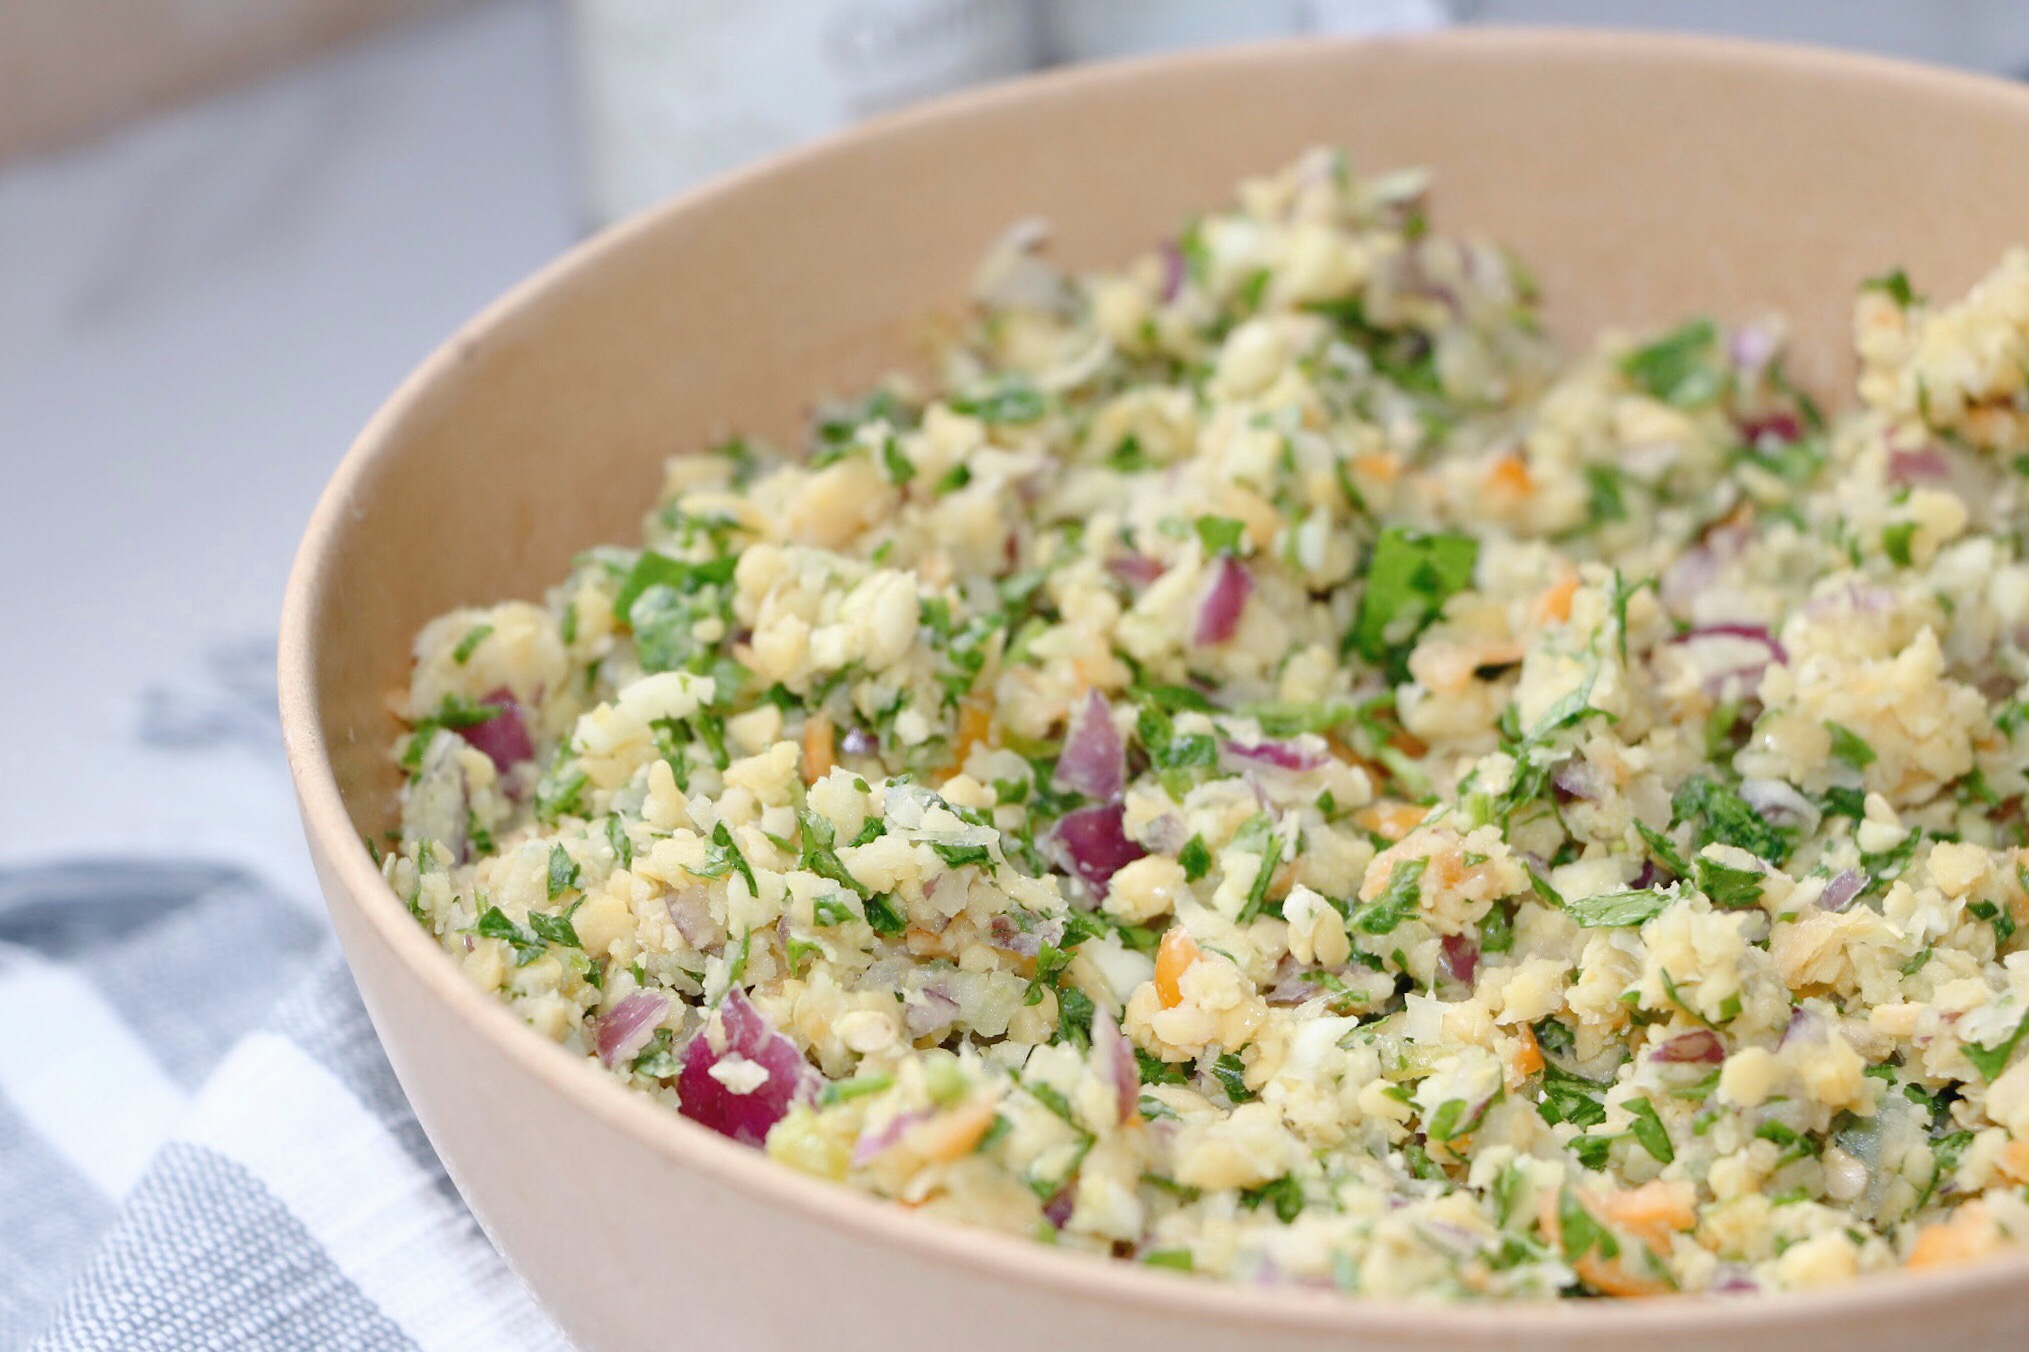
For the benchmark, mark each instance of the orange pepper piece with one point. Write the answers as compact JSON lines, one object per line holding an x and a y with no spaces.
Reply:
{"x":1175,"y":954}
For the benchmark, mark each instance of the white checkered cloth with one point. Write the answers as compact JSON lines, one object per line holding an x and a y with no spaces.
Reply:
{"x":201,"y":1143}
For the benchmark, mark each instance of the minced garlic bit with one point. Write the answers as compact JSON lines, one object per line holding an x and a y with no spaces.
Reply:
{"x":1266,"y":770}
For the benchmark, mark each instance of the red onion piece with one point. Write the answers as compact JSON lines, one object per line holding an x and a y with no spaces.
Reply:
{"x":1136,"y":569}
{"x":1059,"y":1208}
{"x":1780,"y":804}
{"x":1699,"y":1047}
{"x":504,"y":737}
{"x":1578,"y":779}
{"x":1751,"y":347}
{"x":626,"y":1028}
{"x":690,"y":910}
{"x":858,"y":742}
{"x":1093,"y":761}
{"x":1803,"y":1026}
{"x":1841,"y":890}
{"x":1460,"y":954}
{"x":932,"y":1009}
{"x":874,"y":1143}
{"x":1853,"y":598}
{"x":744,"y":1117}
{"x":1008,"y":935}
{"x":1166,"y":834}
{"x":1927,"y":465}
{"x":1113,"y":1061}
{"x":1223,"y":602}
{"x":1693,"y":572}
{"x":1096,"y":844}
{"x":1733,"y":1280}
{"x":1279,"y":755}
{"x":1688,"y":576}
{"x":1293,"y":989}
{"x":1753,"y":633}
{"x":1778,"y":427}
{"x":1648,"y":877}
{"x":1172,"y":271}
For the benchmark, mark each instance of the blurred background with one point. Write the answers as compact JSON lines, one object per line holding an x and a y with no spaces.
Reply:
{"x":228,"y":227}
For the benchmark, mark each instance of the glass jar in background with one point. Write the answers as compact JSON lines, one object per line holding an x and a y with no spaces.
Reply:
{"x":1097,"y":30}
{"x":673,"y":91}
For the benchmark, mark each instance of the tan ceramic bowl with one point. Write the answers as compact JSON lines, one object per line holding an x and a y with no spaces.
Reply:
{"x":1642,"y":177}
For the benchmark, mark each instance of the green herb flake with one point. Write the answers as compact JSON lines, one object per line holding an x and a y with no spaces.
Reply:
{"x":1396,"y":902}
{"x":1991,"y":1061}
{"x":1231,"y":1073}
{"x":1220,"y":534}
{"x":898,"y":468}
{"x":1849,"y":746}
{"x":1008,"y":401}
{"x":1264,"y":877}
{"x":1728,"y":887}
{"x":1664,"y":849}
{"x":1649,"y":1132}
{"x":494,"y":924}
{"x":1196,"y":859}
{"x":1579,"y":1231}
{"x":1895,"y":540}
{"x":1610,"y":910}
{"x":1282,"y":1195}
{"x":1410,"y":578}
{"x":1718,"y":813}
{"x":860,"y":1086}
{"x":1682,"y":367}
{"x":885,"y":916}
{"x":555,"y":929}
{"x":563,"y":871}
{"x":1604,"y":501}
{"x":659,"y":570}
{"x":1128,"y":457}
{"x":1570,"y":1098}
{"x":622,"y":844}
{"x":1895,"y":286}
{"x":469,"y":644}
{"x":723,"y":858}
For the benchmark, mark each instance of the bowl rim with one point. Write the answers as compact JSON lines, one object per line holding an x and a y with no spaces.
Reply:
{"x":1285,"y":1309}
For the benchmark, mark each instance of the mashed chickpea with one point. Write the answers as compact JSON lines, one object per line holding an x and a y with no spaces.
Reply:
{"x":1266,"y":769}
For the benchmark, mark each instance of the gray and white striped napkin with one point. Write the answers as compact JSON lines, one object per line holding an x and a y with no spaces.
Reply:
{"x":201,"y":1143}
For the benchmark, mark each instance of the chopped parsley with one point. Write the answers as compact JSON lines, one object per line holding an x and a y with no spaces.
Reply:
{"x":1396,"y":902}
{"x":1008,"y":400}
{"x":1728,"y":887}
{"x":1611,"y":909}
{"x":1683,"y":367}
{"x":1991,"y":1061}
{"x":1895,"y":286}
{"x":1220,"y":534}
{"x":494,"y":924}
{"x":1231,"y":1073}
{"x":1720,"y":814}
{"x":563,"y":871}
{"x":1410,"y":578}
{"x":469,"y":644}
{"x":1849,"y":746}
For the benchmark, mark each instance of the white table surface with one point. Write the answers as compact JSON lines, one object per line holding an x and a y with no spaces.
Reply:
{"x":196,"y":315}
